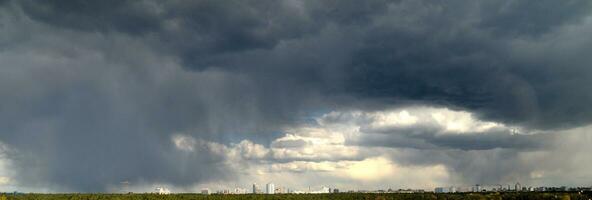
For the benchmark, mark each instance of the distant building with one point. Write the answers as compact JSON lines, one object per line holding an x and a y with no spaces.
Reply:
{"x":452,"y":190}
{"x":477,"y":188}
{"x":409,"y":191}
{"x":335,"y":190}
{"x":270,"y":188}
{"x":439,"y":190}
{"x":255,"y":188}
{"x":240,"y":191}
{"x":205,"y":191}
{"x":162,"y":190}
{"x":322,"y":191}
{"x":517,"y":187}
{"x":500,"y":188}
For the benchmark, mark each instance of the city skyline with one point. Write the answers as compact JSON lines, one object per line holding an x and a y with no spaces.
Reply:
{"x":517,"y":187}
{"x":255,"y":188}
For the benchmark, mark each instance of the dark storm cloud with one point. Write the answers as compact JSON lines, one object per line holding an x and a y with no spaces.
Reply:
{"x":127,"y":16}
{"x":94,"y":86}
{"x":530,"y":18}
{"x":192,"y":30}
{"x":434,"y":137}
{"x":459,"y":56}
{"x":79,"y":129}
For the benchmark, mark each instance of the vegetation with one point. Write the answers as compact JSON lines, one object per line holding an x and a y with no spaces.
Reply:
{"x":344,"y":196}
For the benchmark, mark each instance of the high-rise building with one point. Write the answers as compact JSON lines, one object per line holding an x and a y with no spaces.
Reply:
{"x":255,"y":188}
{"x":270,"y":188}
{"x":517,"y":187}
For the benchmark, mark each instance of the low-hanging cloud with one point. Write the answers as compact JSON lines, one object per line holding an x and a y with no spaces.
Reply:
{"x":93,"y":92}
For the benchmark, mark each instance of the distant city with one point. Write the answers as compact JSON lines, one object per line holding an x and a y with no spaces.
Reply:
{"x":271,"y":188}
{"x":517,"y":187}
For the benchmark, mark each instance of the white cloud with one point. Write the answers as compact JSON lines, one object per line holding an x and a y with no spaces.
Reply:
{"x":371,"y":169}
{"x":310,"y":151}
{"x":305,"y":166}
{"x":310,"y":143}
{"x":449,"y":121}
{"x":385,"y":170}
{"x":461,"y":121}
{"x":249,"y":150}
{"x":4,"y":180}
{"x":322,"y":153}
{"x":385,"y":119}
{"x":184,"y":142}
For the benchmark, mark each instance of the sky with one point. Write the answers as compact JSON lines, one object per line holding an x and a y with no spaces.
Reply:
{"x":348,"y":94}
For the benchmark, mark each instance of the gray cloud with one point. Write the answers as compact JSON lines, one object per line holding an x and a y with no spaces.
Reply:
{"x":290,"y":143}
{"x":101,"y":86}
{"x":199,"y":32}
{"x":551,"y":165}
{"x":454,"y":54}
{"x":451,"y":58}
{"x":432,"y":137}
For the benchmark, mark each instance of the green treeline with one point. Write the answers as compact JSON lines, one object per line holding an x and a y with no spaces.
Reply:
{"x":344,"y":196}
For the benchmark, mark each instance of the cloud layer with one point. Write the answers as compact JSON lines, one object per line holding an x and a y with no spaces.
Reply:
{"x":99,"y":92}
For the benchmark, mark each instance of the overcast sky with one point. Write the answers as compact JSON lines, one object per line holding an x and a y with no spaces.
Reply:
{"x":337,"y":93}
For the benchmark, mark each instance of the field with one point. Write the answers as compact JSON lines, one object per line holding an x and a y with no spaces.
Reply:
{"x":345,"y":196}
